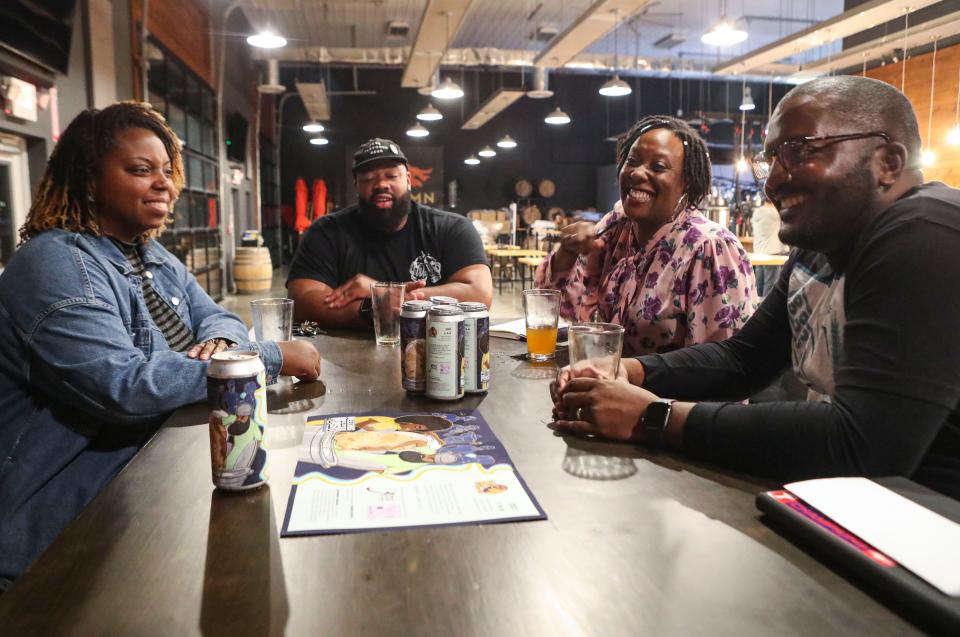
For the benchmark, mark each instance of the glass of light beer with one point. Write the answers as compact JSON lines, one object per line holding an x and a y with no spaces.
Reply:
{"x":541,"y":309}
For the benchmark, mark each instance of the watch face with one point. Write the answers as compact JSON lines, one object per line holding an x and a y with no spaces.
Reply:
{"x":656,"y":415}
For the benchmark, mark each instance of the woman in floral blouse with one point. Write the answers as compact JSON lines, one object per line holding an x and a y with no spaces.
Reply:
{"x":654,"y":264}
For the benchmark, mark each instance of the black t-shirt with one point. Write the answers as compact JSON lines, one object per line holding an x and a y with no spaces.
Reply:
{"x":431,"y":247}
{"x":879,"y":346}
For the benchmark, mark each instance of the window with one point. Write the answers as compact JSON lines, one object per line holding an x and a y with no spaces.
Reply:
{"x":190,"y":107}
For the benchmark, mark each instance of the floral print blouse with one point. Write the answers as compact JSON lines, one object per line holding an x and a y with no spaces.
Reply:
{"x":690,"y":283}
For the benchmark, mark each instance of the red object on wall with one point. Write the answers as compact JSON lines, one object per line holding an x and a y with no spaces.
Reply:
{"x":319,"y":198}
{"x":300,"y":189}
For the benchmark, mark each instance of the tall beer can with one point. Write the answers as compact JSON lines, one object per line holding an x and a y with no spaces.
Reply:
{"x":476,"y":347}
{"x":413,"y":345}
{"x":445,"y":352}
{"x":237,"y":397}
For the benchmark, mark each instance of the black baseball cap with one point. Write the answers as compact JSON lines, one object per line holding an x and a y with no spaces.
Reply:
{"x":376,"y":149}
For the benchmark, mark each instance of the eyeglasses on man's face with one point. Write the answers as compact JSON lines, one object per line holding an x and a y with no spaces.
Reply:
{"x":794,"y":152}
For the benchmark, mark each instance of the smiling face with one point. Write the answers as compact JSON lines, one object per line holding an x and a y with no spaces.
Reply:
{"x":133,"y":190}
{"x":651,"y":181}
{"x":383,"y":190}
{"x":825,"y":201}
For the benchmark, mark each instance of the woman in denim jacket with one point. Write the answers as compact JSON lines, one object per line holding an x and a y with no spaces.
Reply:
{"x":103,"y":332}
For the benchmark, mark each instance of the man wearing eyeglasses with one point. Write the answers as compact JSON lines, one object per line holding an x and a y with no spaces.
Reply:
{"x":866,"y":310}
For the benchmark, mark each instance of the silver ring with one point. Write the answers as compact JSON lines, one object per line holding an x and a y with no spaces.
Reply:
{"x":579,"y":413}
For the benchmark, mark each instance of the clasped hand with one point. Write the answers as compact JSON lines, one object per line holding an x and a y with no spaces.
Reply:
{"x":586,"y":403}
{"x":580,"y":238}
{"x":358,"y":287}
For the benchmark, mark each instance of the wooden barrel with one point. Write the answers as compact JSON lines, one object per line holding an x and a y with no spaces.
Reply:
{"x":530,"y":214}
{"x":523,"y":188}
{"x":546,"y":188}
{"x":252,"y":270}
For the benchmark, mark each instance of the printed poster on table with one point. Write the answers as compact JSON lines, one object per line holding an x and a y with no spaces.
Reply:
{"x":377,"y":471}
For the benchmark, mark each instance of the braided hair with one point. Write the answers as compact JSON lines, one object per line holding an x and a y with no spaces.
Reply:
{"x":697,"y":177}
{"x":65,"y":195}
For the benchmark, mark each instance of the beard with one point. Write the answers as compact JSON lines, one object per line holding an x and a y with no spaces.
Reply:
{"x":385,"y":220}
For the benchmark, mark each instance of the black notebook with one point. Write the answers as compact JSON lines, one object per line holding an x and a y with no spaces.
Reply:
{"x":879,"y":574}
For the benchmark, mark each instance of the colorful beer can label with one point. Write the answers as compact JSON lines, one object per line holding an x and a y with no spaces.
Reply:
{"x":238,"y":416}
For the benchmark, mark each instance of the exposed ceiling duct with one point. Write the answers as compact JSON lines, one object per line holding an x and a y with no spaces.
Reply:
{"x":598,"y":20}
{"x":540,"y":89}
{"x":272,"y":86}
{"x":438,"y":27}
{"x":860,"y":18}
{"x":492,"y":107}
{"x":314,"y":96}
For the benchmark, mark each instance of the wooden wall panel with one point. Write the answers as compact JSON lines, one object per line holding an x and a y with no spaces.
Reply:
{"x":184,"y":27}
{"x":918,"y":79}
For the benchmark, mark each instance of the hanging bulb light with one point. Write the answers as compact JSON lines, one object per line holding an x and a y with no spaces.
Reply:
{"x":417,"y":130}
{"x":725,"y":32}
{"x":320,"y":140}
{"x":615,"y":87}
{"x":557,"y":117}
{"x":471,"y":160}
{"x":267,"y":40}
{"x":507,"y":142}
{"x":486,"y":151}
{"x":747,"y":103}
{"x":928,"y":158}
{"x":429,"y":114}
{"x":742,"y":164}
{"x":953,"y":135}
{"x":313,"y":127}
{"x":448,"y":90}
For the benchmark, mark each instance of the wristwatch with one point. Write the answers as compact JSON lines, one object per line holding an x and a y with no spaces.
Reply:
{"x":655,"y":420}
{"x":366,"y":311}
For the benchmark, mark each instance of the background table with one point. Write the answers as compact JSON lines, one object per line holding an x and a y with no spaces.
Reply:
{"x":674,"y":549}
{"x":503,"y":257}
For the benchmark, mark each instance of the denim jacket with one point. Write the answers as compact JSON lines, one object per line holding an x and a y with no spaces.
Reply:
{"x":86,"y":377}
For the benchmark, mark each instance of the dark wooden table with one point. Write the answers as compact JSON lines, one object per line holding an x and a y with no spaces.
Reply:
{"x":659,"y":546}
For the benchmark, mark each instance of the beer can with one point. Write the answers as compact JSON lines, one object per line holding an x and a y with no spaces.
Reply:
{"x":443,"y":300}
{"x":476,"y":347}
{"x":237,"y":397}
{"x":445,"y":352}
{"x":413,"y":345}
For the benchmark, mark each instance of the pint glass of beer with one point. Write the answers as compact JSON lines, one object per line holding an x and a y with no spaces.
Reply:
{"x":542,"y":311}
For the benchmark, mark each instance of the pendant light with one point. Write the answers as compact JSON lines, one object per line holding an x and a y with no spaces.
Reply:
{"x":557,"y":117}
{"x":267,"y":40}
{"x":725,"y":32}
{"x":313,"y":127}
{"x":429,"y":114}
{"x":448,"y":89}
{"x":417,"y":130}
{"x":928,"y":157}
{"x":507,"y":142}
{"x":471,"y":160}
{"x":320,"y":140}
{"x":615,"y":87}
{"x":747,"y":103}
{"x":486,"y":151}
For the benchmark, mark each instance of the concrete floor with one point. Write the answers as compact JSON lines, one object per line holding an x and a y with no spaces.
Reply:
{"x":507,"y":303}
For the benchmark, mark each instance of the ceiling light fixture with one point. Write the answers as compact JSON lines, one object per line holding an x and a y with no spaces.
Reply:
{"x":267,"y":40}
{"x":747,"y":103}
{"x":429,"y":114}
{"x":557,"y":117}
{"x":319,"y":141}
{"x":615,"y":87}
{"x":448,"y":90}
{"x":471,"y":160}
{"x":725,"y":32}
{"x":486,"y":151}
{"x":507,"y":142}
{"x":540,"y":90}
{"x":417,"y":130}
{"x":313,"y":127}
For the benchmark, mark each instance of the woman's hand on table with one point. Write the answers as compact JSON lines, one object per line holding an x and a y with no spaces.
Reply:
{"x":300,"y":359}
{"x":206,"y":349}
{"x":607,"y":408}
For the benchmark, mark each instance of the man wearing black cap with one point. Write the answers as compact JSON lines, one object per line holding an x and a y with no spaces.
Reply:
{"x":385,"y":237}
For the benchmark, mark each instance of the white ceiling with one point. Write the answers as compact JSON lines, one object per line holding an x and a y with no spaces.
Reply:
{"x":508,"y":25}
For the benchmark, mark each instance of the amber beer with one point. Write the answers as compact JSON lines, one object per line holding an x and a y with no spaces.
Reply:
{"x":541,"y":310}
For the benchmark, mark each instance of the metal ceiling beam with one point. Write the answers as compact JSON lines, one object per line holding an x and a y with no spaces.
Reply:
{"x":862,"y":17}
{"x":492,"y":107}
{"x":597,"y":21}
{"x":439,"y":25}
{"x":945,"y":26}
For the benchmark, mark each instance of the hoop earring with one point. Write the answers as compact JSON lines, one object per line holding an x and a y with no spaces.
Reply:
{"x":681,"y":205}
